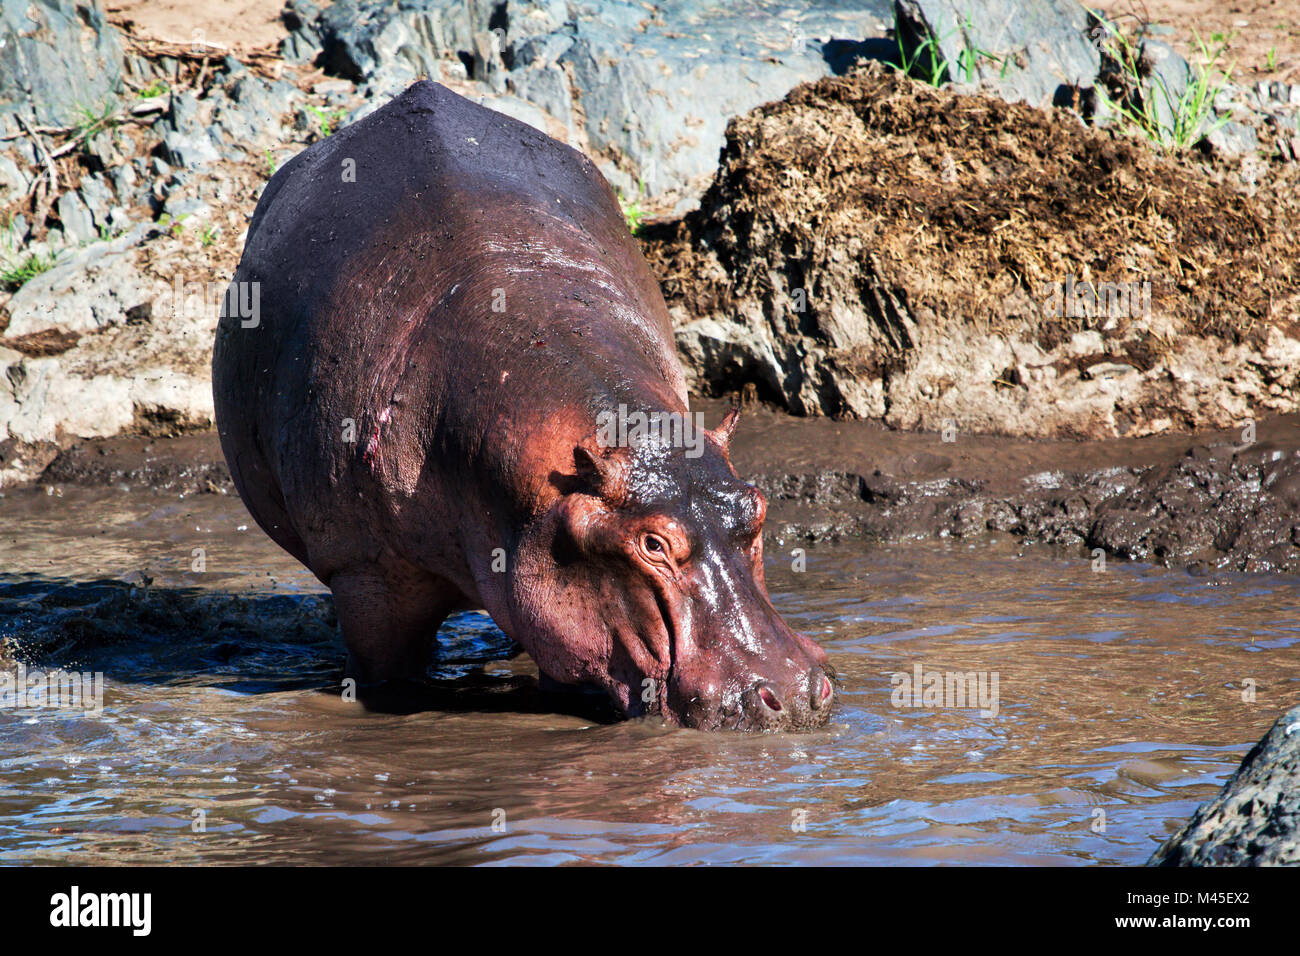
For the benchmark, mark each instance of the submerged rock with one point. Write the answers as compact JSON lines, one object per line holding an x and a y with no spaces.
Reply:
{"x":1255,"y":821}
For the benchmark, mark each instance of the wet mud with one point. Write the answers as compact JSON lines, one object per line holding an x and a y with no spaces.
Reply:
{"x":1208,"y":502}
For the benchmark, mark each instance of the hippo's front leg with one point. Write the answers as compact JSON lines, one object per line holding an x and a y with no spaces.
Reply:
{"x":389,"y":617}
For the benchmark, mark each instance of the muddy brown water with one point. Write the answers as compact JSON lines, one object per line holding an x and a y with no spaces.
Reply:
{"x":1120,"y":709}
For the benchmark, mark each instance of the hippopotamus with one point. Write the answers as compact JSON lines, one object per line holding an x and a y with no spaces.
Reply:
{"x":448,"y":304}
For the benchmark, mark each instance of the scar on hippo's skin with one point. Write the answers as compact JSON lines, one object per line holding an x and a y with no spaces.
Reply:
{"x":372,"y":446}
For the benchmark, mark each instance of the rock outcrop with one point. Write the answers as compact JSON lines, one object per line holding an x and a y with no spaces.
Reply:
{"x":1255,"y":821}
{"x":58,"y":59}
{"x":1039,"y":52}
{"x":646,"y":89}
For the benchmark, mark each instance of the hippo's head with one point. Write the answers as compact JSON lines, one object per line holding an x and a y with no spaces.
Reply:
{"x":646,"y":578}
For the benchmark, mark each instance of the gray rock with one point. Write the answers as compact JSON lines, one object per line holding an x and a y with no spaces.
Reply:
{"x":150,"y":106}
{"x":1255,"y":820}
{"x":189,"y":150}
{"x":139,"y":68}
{"x":659,"y":110}
{"x":487,"y":64}
{"x":14,"y":232}
{"x":119,"y":220}
{"x":98,"y":198}
{"x":1036,"y":50}
{"x":55,"y":243}
{"x":656,"y":86}
{"x":303,"y":44}
{"x":1164,"y":94}
{"x":1166,"y":82}
{"x":124,"y":179}
{"x":246,"y":116}
{"x":184,"y":209}
{"x":104,"y":149}
{"x":78,"y":223}
{"x":367,"y":41}
{"x":57,"y":57}
{"x":87,"y":290}
{"x":183,"y":113}
{"x":546,"y":86}
{"x":361,"y":40}
{"x":1233,"y":139}
{"x":14,"y":181}
{"x":26,"y":151}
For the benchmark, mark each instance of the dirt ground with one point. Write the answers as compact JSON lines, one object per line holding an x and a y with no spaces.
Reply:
{"x":1263,"y":35}
{"x":238,"y":25}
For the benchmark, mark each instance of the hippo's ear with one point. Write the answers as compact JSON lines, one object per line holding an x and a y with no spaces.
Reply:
{"x":726,"y":428}
{"x":602,"y":469}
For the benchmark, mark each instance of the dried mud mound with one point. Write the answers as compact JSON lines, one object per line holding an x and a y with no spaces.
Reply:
{"x":876,"y":248}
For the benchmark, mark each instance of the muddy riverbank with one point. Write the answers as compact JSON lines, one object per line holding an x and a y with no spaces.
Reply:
{"x":1224,"y":500}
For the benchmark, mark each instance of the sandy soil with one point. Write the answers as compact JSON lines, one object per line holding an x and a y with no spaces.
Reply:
{"x":240,"y":25}
{"x":1263,"y":35}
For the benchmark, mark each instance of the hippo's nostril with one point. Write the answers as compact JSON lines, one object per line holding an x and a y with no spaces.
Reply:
{"x":770,"y":699}
{"x":822,"y":691}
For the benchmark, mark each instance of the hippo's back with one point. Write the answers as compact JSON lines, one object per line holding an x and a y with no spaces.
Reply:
{"x":428,"y":150}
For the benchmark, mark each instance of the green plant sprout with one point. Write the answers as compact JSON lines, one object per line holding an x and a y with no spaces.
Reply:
{"x":633,"y":214}
{"x":1190,"y":111}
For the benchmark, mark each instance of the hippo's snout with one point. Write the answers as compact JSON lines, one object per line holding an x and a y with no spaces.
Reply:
{"x":802,"y":705}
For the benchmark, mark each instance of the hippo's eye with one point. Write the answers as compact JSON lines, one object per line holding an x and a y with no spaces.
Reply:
{"x":657,"y":549}
{"x":661,"y":547}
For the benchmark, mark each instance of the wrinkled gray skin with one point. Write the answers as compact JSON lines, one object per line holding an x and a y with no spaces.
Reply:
{"x":413,"y":415}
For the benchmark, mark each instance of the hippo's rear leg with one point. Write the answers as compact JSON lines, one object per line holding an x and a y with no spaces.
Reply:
{"x":389,"y":620}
